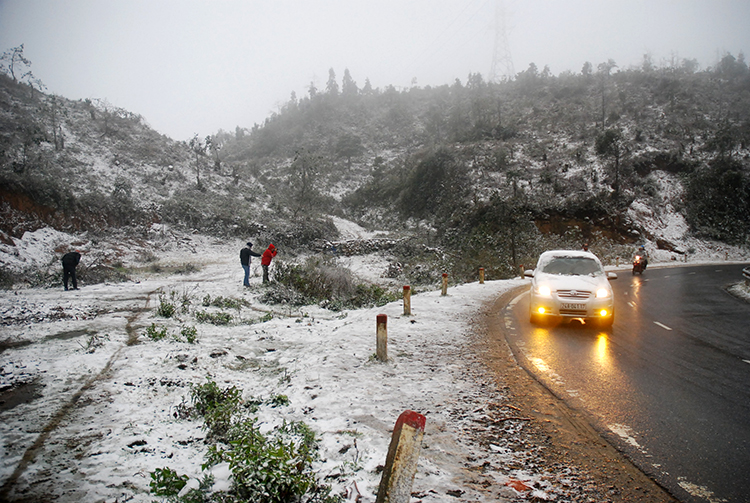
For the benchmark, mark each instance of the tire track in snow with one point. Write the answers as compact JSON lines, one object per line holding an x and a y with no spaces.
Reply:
{"x":30,"y":454}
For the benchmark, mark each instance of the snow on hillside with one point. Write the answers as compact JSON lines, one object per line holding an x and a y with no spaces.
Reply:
{"x":664,"y":224}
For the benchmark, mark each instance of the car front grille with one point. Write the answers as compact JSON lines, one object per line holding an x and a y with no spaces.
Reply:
{"x":573,"y":312}
{"x":573,"y":294}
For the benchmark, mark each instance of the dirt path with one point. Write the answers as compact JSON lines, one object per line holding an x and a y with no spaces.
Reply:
{"x":566,"y":439}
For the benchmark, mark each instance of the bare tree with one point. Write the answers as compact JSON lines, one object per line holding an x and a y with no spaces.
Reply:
{"x":213,"y":145}
{"x":605,"y":69}
{"x":610,"y":145}
{"x":14,"y":60}
{"x":199,"y":149}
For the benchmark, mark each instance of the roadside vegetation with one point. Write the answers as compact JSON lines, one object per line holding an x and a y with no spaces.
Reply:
{"x":273,"y":466}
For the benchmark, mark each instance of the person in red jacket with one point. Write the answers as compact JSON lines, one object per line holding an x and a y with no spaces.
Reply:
{"x":265,"y":260}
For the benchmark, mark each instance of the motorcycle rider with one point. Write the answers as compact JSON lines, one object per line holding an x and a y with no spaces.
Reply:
{"x":641,"y":252}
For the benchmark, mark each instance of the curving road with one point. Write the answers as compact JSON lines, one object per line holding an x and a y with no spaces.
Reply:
{"x":669,"y":385}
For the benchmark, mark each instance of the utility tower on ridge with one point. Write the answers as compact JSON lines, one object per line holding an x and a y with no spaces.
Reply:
{"x":502,"y":63}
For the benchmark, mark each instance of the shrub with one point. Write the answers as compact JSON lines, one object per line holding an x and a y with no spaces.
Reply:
{"x":190,"y":334}
{"x":275,"y":467}
{"x":278,"y":400}
{"x":101,"y":273}
{"x":213,"y":318}
{"x":225,"y":302}
{"x":718,"y":201}
{"x":156,"y":334}
{"x":166,"y":309}
{"x":216,"y":406}
{"x":321,"y":280}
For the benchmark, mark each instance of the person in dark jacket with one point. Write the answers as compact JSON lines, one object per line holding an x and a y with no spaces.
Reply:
{"x":69,"y":262}
{"x":245,"y":255}
{"x":265,"y":260}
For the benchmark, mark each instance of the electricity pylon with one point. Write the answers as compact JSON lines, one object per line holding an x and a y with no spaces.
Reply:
{"x":502,"y":63}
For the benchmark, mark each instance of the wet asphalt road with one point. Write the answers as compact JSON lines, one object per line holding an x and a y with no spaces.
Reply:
{"x":669,"y":385}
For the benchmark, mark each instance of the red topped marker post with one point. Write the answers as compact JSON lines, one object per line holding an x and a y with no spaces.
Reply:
{"x":401,"y":462}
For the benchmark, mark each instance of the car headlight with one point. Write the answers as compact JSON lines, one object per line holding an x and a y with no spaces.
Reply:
{"x":544,"y":291}
{"x":602,"y":292}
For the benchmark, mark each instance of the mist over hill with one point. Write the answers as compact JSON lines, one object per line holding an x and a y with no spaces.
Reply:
{"x":463,"y":175}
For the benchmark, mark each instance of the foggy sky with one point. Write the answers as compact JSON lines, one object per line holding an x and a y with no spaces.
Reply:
{"x":190,"y":66}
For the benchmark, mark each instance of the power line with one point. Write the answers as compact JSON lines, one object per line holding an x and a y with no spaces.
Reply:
{"x":448,"y":35}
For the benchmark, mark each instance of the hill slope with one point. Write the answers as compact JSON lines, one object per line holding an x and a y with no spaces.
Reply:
{"x":475,"y":174}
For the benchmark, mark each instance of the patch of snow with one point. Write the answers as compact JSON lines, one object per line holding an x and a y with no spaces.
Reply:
{"x":626,"y":434}
{"x":349,"y":230}
{"x":34,"y":249}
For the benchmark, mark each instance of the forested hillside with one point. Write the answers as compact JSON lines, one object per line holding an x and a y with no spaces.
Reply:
{"x":472,"y":173}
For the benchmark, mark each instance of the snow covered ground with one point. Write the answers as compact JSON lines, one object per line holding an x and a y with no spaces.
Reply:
{"x":90,"y":401}
{"x":88,"y":404}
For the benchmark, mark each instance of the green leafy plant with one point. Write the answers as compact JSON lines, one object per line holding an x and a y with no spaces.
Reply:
{"x":323,"y":281}
{"x":213,"y":318}
{"x":166,"y":309}
{"x":272,"y":467}
{"x":216,"y":406}
{"x":224,"y":302}
{"x":278,"y":401}
{"x":166,"y":482}
{"x":190,"y":334}
{"x":156,"y":333}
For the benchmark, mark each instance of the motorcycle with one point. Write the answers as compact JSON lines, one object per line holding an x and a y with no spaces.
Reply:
{"x":639,"y":265}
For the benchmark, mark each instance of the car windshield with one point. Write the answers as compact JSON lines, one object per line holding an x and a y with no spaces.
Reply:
{"x":575,"y":266}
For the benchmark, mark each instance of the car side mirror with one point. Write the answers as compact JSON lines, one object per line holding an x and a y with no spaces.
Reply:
{"x":529,"y":273}
{"x":611,"y":276}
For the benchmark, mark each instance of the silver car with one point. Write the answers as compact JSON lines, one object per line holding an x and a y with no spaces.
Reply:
{"x":571,"y":284}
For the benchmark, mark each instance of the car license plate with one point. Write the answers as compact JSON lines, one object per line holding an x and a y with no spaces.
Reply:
{"x":576,"y":307}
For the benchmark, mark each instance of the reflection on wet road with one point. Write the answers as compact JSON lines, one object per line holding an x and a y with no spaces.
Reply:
{"x":669,"y":384}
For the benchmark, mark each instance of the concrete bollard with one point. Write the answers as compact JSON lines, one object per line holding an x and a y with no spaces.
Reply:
{"x":401,"y":462}
{"x":445,"y":284}
{"x":382,"y":338}
{"x":481,"y":275}
{"x":407,"y":300}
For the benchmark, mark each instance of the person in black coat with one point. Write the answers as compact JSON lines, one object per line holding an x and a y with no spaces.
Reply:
{"x":245,"y":255}
{"x":69,"y":262}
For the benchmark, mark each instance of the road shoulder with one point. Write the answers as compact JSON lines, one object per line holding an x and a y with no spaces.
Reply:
{"x":563,"y":436}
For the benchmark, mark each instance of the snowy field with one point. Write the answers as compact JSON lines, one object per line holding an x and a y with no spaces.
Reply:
{"x":93,"y":400}
{"x":89,"y":402}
